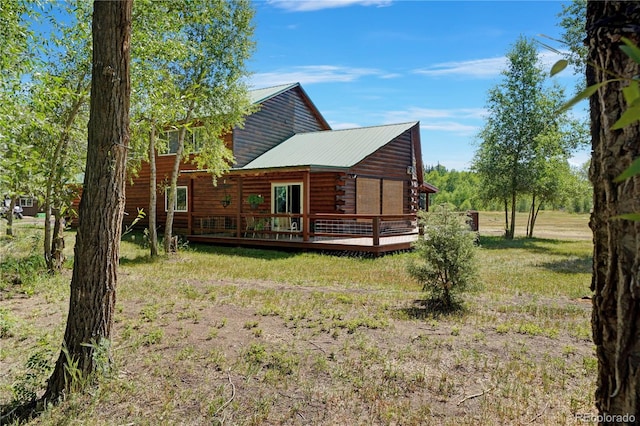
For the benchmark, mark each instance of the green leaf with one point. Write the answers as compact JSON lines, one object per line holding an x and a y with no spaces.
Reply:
{"x":559,"y":66}
{"x":630,"y":116}
{"x":585,"y":94}
{"x":632,"y":170}
{"x":631,"y":92}
{"x":628,"y":216}
{"x":631,"y":50}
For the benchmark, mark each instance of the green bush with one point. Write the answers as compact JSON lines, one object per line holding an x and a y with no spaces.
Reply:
{"x":445,"y":256}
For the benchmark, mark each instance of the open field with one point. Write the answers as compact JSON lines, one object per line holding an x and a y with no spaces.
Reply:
{"x":550,"y":224}
{"x":251,"y":337}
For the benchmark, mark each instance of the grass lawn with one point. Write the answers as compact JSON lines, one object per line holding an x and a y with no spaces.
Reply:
{"x":249,"y":337}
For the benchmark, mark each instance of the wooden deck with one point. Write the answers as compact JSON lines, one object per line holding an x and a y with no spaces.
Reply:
{"x":356,"y":245}
{"x":372,"y":235}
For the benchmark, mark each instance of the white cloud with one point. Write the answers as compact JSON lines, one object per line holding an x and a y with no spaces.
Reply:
{"x":466,"y":113}
{"x":461,"y":121}
{"x":451,"y":126}
{"x":312,"y":5}
{"x":343,"y":125}
{"x":483,"y":68}
{"x":478,"y":68}
{"x":464,"y":122}
{"x":312,"y":74}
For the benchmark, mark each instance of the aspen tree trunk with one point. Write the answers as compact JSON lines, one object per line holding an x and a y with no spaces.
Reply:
{"x":12,"y":206}
{"x":616,"y":257}
{"x":170,"y":244}
{"x":57,"y":244}
{"x":93,"y":284}
{"x":153,"y":193}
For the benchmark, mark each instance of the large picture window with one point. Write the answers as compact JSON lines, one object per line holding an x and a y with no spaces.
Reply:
{"x":181,"y":204}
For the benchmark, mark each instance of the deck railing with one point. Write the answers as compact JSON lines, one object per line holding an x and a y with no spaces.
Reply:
{"x":321,"y":226}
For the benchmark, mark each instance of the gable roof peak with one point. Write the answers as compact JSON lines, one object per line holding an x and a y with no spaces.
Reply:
{"x":260,"y":95}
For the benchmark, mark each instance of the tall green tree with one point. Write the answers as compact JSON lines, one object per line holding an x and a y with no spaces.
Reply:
{"x":61,"y":97}
{"x":95,"y":269}
{"x":572,"y":22}
{"x":154,"y":50}
{"x":44,"y":105}
{"x":550,"y":171}
{"x":15,"y":36}
{"x":510,"y":147}
{"x":616,"y":237}
{"x":198,"y":74}
{"x":18,"y":164}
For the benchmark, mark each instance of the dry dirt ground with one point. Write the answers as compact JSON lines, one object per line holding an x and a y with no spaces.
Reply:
{"x":238,"y":352}
{"x":404,"y":372}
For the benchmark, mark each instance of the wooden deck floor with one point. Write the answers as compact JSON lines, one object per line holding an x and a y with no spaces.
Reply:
{"x":338,"y":244}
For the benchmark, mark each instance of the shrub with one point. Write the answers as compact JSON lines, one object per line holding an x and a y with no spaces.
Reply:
{"x":445,"y":256}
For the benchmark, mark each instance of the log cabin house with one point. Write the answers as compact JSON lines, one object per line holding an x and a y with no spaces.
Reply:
{"x":298,"y":184}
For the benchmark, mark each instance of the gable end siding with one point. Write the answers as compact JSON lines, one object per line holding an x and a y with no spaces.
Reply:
{"x":278,"y":119}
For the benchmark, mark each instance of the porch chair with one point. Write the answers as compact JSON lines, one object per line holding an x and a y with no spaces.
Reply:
{"x":284,"y":224}
{"x":293,"y":228}
{"x":250,"y":227}
{"x":279,"y":225}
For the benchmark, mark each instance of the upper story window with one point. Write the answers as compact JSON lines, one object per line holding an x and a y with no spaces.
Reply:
{"x":170,"y":141}
{"x":192,"y":142}
{"x":198,"y":137}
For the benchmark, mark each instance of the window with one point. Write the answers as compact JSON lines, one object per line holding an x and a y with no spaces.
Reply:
{"x":367,"y":196}
{"x":170,"y":139}
{"x":393,"y":196}
{"x":181,"y":204}
{"x":423,"y":201}
{"x":375,"y":196}
{"x":198,"y":136}
{"x":193,"y":141}
{"x":26,"y":202}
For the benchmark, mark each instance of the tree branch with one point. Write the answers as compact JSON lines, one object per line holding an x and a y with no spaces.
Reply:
{"x":475,"y":395}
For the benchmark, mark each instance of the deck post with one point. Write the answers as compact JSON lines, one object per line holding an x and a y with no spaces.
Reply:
{"x":376,"y":230}
{"x":239,"y":209}
{"x":190,"y":204}
{"x":306,"y":199}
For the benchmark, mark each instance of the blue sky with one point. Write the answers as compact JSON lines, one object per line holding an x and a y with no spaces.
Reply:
{"x":372,"y":62}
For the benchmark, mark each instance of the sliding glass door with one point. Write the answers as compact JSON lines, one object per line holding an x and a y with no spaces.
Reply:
{"x":287,"y":199}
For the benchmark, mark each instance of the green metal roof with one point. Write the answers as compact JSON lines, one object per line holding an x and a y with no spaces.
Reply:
{"x":260,"y":95}
{"x":335,"y":148}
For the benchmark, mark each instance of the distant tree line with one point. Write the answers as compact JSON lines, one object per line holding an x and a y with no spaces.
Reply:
{"x":461,"y":189}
